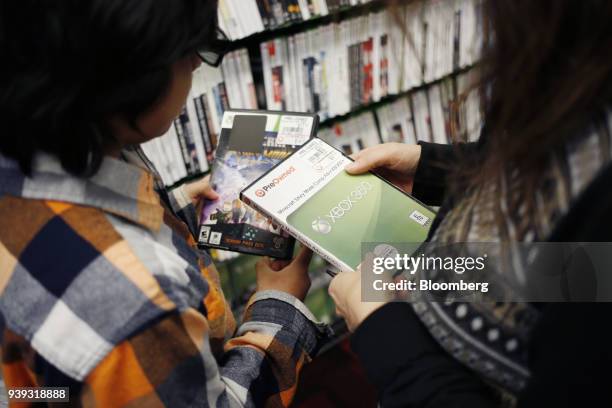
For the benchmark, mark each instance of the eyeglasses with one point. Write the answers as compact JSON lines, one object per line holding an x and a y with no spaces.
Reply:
{"x":213,"y":52}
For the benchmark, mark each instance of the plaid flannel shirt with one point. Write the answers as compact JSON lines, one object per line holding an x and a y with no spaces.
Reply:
{"x":103,"y":291}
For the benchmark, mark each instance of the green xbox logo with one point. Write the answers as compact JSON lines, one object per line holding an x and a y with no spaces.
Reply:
{"x":321,"y":226}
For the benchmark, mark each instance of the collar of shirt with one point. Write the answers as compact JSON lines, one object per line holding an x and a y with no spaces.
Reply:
{"x":118,"y":188}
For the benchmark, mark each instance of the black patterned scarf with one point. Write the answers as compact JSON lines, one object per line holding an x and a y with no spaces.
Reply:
{"x":491,"y":337}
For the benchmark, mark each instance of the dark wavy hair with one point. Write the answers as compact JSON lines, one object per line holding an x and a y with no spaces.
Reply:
{"x":70,"y":65}
{"x":546,"y":78}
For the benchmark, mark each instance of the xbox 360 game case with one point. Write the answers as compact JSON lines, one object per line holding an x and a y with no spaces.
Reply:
{"x":250,"y":143}
{"x":311,"y":196}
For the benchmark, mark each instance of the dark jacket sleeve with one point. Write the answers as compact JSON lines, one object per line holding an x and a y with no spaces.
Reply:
{"x":435,"y":164}
{"x":408,"y":366}
{"x":570,"y":359}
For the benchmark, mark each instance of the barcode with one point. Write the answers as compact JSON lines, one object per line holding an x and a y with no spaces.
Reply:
{"x":293,"y":129}
{"x":317,"y":155}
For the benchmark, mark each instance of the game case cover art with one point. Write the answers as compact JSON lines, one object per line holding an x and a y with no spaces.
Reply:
{"x":250,"y":144}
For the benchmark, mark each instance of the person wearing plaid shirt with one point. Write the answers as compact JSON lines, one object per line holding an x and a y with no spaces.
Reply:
{"x":102,"y":288}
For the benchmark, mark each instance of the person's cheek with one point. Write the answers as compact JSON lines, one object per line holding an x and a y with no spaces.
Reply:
{"x":196,"y":62}
{"x":158,"y":120}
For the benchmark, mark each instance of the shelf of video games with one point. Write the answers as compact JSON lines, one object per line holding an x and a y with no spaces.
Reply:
{"x":241,"y":19}
{"x":400,"y":74}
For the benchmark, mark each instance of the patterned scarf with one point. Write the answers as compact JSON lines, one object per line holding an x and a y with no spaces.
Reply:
{"x":491,"y":337}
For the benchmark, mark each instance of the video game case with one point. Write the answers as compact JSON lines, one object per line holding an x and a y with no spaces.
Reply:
{"x":332,"y":212}
{"x":186,"y":140}
{"x":150,"y":150}
{"x":292,"y":69}
{"x":228,"y":15}
{"x":199,"y":103}
{"x":278,"y":12}
{"x":196,"y":134}
{"x":265,"y":11}
{"x":422,"y":118}
{"x":206,"y":83}
{"x":170,"y":146}
{"x":334,"y":5}
{"x":294,"y":11}
{"x":232,"y":84}
{"x":251,"y":142}
{"x":287,"y":17}
{"x":447,"y":97}
{"x":266,"y":49}
{"x":353,"y":134}
{"x":223,"y":98}
{"x":246,"y":75}
{"x":169,"y":169}
{"x":250,"y":13}
{"x":306,"y":9}
{"x":320,"y":7}
{"x":438,"y":121}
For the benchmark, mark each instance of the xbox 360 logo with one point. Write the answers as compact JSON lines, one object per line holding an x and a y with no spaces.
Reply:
{"x":321,"y":226}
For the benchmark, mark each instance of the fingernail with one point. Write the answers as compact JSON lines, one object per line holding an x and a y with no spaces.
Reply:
{"x":350,"y":166}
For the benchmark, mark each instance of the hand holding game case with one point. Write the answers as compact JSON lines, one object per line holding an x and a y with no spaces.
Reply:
{"x":311,"y":196}
{"x":250,"y":143}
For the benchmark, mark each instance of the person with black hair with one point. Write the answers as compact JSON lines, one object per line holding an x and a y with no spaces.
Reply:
{"x":102,"y":288}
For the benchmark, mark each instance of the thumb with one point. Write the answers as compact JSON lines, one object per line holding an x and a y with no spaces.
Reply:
{"x":209,"y":193}
{"x":367,"y":159}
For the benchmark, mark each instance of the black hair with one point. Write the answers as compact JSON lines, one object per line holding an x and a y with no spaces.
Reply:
{"x":69,"y":65}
